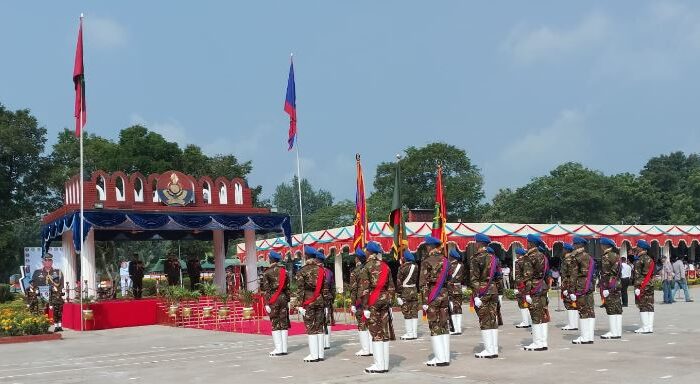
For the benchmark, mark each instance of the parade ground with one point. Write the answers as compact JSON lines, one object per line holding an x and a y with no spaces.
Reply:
{"x":160,"y":354}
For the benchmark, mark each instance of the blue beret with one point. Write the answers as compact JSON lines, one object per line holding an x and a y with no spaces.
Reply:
{"x":429,"y":240}
{"x":455,"y":254}
{"x":320,"y":255}
{"x":579,"y":240}
{"x":373,"y":247}
{"x":481,"y":238}
{"x":360,"y":253}
{"x":408,"y":256}
{"x":535,"y":239}
{"x":490,"y":250}
{"x":606,"y":241}
{"x":275,"y":255}
{"x":309,"y":250}
{"x":520,"y":251}
{"x":568,"y":247}
{"x":643,"y":244}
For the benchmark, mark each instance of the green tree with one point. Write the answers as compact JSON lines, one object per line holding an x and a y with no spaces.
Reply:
{"x":462,"y":180}
{"x":337,"y":215}
{"x":668,"y":178}
{"x":286,"y":199}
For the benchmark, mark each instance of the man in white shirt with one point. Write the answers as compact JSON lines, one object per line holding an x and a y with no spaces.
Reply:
{"x":625,"y":274}
{"x":506,"y":276}
{"x":124,"y":277}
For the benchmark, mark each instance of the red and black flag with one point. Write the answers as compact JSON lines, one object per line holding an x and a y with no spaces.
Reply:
{"x":360,"y":236}
{"x":79,"y":83}
{"x":396,"y":220}
{"x":440,"y":218}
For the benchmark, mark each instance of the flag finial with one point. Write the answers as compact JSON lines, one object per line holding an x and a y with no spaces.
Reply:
{"x":82,"y":15}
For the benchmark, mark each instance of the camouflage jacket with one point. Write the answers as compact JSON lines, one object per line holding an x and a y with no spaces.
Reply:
{"x":430,"y":271}
{"x":329,"y":287}
{"x":610,"y":270}
{"x":306,"y":284}
{"x":407,"y":287}
{"x":581,"y":271}
{"x":355,"y":284}
{"x":534,"y":265}
{"x":568,"y":272}
{"x":641,"y":268}
{"x":270,"y":282}
{"x":479,"y":270}
{"x":457,"y":273}
{"x":52,"y":278}
{"x":369,"y":278}
{"x":519,"y":279}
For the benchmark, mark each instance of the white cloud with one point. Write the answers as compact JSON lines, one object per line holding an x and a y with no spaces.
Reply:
{"x":104,"y":33}
{"x":529,"y":45}
{"x":170,"y":129}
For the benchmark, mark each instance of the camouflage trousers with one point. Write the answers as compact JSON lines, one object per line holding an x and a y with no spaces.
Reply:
{"x":645,"y":301}
{"x":488,"y":312}
{"x":56,"y":301}
{"x":331,"y":318}
{"x":361,"y":321}
{"x":33,"y":305}
{"x":538,"y":309}
{"x":522,"y":304}
{"x":438,"y":317}
{"x":586,"y":306}
{"x":457,"y":299}
{"x":409,"y":309}
{"x":315,"y":318}
{"x":379,"y":322}
{"x":568,"y":304}
{"x":613,"y":303}
{"x":279,"y":316}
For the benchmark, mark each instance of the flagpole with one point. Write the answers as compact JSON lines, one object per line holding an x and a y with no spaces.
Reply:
{"x":296,"y":142}
{"x":82,"y":207}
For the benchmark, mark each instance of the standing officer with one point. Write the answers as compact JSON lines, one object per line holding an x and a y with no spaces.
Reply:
{"x":520,"y":289}
{"x":194,"y":271}
{"x":137,"y":278}
{"x":454,"y":286}
{"x":610,"y":287}
{"x":31,"y":295}
{"x":434,"y":274}
{"x":53,"y":278}
{"x":568,"y":285}
{"x":407,"y":291}
{"x":329,"y":295}
{"x":535,"y":267}
{"x":583,"y":295}
{"x":356,"y":307}
{"x":483,"y":270}
{"x":172,"y":270}
{"x":644,"y":287}
{"x":311,"y":303}
{"x":377,"y":287}
{"x":275,"y":287}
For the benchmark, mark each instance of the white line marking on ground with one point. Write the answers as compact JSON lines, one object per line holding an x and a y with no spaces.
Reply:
{"x":286,"y":377}
{"x":601,"y":370}
{"x":546,"y":363}
{"x":459,"y":377}
{"x":666,"y":377}
{"x":672,"y":343}
{"x":669,"y":357}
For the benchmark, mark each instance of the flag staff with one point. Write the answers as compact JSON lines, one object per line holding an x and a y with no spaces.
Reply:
{"x":82,"y":176}
{"x":290,"y":108}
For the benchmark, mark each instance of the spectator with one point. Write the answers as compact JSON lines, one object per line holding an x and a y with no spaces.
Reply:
{"x":124,"y":281}
{"x":679,"y":280}
{"x":666,"y":279}
{"x":625,"y":274}
{"x":506,"y":276}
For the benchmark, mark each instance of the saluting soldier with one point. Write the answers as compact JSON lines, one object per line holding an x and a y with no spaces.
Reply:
{"x":311,"y":303}
{"x":329,"y":295}
{"x":407,"y":292}
{"x":53,"y":278}
{"x":520,"y":289}
{"x":356,"y":307}
{"x":483,"y":270}
{"x":434,"y":274}
{"x":454,"y":287}
{"x":275,"y":287}
{"x":583,"y":295}
{"x":644,"y":287}
{"x":535,"y":267}
{"x":31,"y":295}
{"x":568,"y":285}
{"x":377,"y":286}
{"x":610,"y":281}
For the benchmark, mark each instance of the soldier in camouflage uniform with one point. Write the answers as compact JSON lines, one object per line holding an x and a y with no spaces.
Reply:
{"x":434,"y":274}
{"x":377,"y":290}
{"x":483,"y":280}
{"x":31,"y":297}
{"x":329,"y":294}
{"x":610,"y":281}
{"x":644,"y":286}
{"x":454,"y":287}
{"x":520,"y":289}
{"x":568,"y":285}
{"x":275,"y":287}
{"x":583,"y":295}
{"x":53,"y":278}
{"x":535,"y":266}
{"x":407,"y":292}
{"x":356,"y":307}
{"x":310,"y":302}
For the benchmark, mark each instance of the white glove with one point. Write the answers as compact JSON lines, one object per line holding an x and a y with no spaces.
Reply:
{"x":51,"y":306}
{"x":528,"y":298}
{"x":477,"y":302}
{"x":302,"y":311}
{"x":452,"y":307}
{"x":566,"y":293}
{"x":353,"y":309}
{"x":325,"y":311}
{"x":515,"y":291}
{"x":572,"y":297}
{"x":399,"y":300}
{"x":637,"y":292}
{"x":500,"y":299}
{"x":366,"y":313}
{"x":606,"y":293}
{"x":268,"y":309}
{"x":425,"y":307}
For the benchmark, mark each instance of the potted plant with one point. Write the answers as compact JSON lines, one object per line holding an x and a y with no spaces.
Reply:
{"x":170,"y":294}
{"x":188,"y":296}
{"x":208,"y":291}
{"x":246,"y":298}
{"x":223,"y":310}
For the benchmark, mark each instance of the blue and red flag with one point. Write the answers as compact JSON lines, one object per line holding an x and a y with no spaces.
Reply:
{"x":290,"y":106}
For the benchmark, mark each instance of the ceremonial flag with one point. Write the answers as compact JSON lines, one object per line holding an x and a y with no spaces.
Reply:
{"x":79,"y":82}
{"x":290,"y":106}
{"x":440,"y":218}
{"x":359,"y":239}
{"x":396,"y":221}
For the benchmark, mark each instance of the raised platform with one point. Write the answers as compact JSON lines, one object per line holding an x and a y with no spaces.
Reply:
{"x":112,"y":314}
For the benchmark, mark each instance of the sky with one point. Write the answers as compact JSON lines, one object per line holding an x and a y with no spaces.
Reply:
{"x":521,"y":86}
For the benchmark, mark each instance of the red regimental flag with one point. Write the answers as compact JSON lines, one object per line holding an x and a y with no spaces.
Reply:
{"x":79,"y":83}
{"x":360,"y":236}
{"x":440,"y":218}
